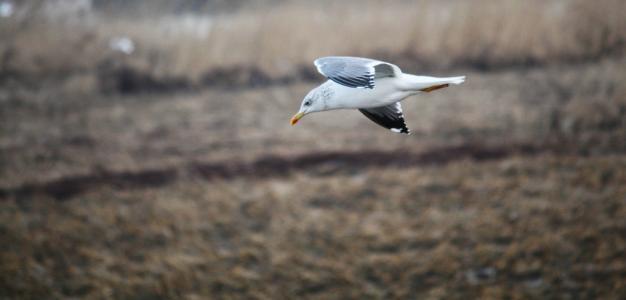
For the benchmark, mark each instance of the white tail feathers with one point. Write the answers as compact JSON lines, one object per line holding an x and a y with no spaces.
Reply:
{"x":456,"y":80}
{"x":427,"y":83}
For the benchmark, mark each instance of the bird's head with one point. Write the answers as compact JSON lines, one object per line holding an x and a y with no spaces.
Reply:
{"x":311,"y":103}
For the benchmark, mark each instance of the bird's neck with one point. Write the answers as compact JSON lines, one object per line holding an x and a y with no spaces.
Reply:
{"x":327,"y":95}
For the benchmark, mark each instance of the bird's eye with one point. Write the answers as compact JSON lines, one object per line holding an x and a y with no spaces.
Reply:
{"x":307,"y":103}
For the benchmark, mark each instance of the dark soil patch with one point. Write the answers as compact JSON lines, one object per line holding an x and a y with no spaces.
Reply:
{"x":266,"y":166}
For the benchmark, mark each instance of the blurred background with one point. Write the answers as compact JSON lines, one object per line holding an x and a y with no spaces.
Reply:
{"x":146,"y":152}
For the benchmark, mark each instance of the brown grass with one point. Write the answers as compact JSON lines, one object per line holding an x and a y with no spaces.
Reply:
{"x":511,"y":185}
{"x":523,"y":228}
{"x":52,"y":134}
{"x":281,"y":41}
{"x":108,"y":196}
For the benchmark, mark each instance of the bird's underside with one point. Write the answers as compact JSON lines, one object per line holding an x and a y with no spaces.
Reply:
{"x":362,"y":73}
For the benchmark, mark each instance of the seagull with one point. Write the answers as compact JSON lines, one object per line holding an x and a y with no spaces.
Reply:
{"x":374,"y":87}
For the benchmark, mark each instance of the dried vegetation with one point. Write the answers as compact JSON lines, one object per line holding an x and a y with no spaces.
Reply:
{"x":173,"y":173}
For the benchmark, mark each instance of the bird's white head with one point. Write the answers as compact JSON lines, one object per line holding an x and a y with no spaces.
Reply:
{"x":318,"y":99}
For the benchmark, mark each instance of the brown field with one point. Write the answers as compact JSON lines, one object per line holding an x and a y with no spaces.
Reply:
{"x":173,"y":172}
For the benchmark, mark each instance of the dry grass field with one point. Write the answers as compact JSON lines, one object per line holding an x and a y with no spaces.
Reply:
{"x":172,"y":172}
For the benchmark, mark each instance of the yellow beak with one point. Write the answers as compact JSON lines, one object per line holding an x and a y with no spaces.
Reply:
{"x":296,"y":118}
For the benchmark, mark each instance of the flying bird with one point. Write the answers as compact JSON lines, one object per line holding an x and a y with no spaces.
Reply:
{"x":374,"y":87}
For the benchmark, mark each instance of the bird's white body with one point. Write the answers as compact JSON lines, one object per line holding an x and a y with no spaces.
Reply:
{"x":388,"y":90}
{"x":385,"y":93}
{"x":374,"y":87}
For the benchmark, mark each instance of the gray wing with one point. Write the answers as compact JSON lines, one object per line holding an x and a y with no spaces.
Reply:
{"x":354,"y":72}
{"x":390,"y":117}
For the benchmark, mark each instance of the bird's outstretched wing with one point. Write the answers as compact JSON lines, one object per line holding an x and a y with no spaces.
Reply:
{"x":390,"y":117}
{"x":355,"y":72}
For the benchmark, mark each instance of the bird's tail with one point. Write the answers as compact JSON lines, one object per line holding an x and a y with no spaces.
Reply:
{"x":429,"y":84}
{"x":455,"y":80}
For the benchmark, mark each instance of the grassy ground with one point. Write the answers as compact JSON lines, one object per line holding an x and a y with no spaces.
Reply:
{"x":425,"y":35}
{"x":50,"y":134}
{"x":189,"y":187}
{"x":521,"y":227}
